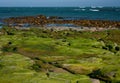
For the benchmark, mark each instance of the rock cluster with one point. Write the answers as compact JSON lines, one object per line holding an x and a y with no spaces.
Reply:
{"x":42,"y":20}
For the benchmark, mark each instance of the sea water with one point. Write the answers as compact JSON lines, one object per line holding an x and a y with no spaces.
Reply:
{"x":74,"y":13}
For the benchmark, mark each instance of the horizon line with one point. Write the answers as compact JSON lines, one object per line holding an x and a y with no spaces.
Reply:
{"x":60,"y":6}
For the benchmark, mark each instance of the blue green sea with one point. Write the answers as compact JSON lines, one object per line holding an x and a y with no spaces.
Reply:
{"x":91,"y":13}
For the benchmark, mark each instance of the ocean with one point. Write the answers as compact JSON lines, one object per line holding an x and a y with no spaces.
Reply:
{"x":77,"y":13}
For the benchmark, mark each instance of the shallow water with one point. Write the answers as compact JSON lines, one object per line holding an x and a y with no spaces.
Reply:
{"x":61,"y":25}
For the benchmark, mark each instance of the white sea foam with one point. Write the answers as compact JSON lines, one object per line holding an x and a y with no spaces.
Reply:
{"x":79,"y":9}
{"x":83,"y":9}
{"x":97,"y":7}
{"x":95,"y":10}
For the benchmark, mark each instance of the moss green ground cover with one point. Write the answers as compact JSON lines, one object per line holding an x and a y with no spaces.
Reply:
{"x":69,"y":56}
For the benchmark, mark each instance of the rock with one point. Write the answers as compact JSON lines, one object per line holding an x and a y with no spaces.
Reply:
{"x":95,"y":80}
{"x":43,"y":20}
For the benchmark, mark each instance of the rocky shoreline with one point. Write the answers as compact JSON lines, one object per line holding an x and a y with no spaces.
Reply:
{"x":42,"y":20}
{"x":62,"y":28}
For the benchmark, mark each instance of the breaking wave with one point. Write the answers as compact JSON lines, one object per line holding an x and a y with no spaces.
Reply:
{"x":95,"y":10}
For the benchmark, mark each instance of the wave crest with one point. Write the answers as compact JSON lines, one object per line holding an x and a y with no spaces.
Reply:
{"x":95,"y":10}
